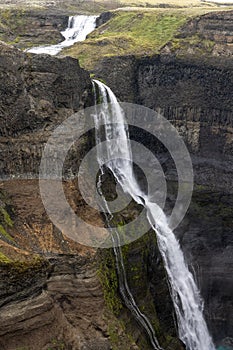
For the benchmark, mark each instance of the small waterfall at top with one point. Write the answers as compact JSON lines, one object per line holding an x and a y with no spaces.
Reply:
{"x":78,"y":29}
{"x":187,"y":301}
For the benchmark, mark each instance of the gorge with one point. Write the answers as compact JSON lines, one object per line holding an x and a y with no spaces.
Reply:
{"x":48,"y":89}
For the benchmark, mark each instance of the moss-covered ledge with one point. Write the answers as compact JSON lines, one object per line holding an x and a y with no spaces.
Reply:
{"x":148,"y":283}
{"x":21,"y":279}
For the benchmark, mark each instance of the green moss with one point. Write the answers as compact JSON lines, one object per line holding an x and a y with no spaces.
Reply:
{"x":4,"y":233}
{"x":35,"y":264}
{"x":4,"y":259}
{"x":138,"y":33}
{"x":195,"y":44}
{"x":6,"y":221}
{"x":109,"y":280}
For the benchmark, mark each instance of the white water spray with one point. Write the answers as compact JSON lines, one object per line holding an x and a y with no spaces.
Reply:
{"x":78,"y":29}
{"x":187,"y":301}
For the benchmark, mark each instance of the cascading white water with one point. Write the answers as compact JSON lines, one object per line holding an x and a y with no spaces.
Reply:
{"x":123,"y":284}
{"x":187,"y":301}
{"x":78,"y":29}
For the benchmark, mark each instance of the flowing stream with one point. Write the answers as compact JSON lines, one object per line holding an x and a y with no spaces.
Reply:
{"x":78,"y":29}
{"x":187,"y":301}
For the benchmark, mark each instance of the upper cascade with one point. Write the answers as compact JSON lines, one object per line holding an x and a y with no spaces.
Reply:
{"x":78,"y":29}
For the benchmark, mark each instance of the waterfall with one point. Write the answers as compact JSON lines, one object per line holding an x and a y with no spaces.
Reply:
{"x":78,"y":29}
{"x":123,"y":284}
{"x":187,"y":301}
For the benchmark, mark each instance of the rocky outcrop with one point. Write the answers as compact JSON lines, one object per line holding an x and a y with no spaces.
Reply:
{"x":103,"y":18}
{"x":27,"y":27}
{"x":37,"y":94}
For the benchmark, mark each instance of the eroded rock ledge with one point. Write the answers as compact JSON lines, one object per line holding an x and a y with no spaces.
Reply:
{"x":58,"y":303}
{"x":51,"y":294}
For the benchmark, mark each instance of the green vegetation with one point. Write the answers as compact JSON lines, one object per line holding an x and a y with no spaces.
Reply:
{"x":13,"y":19}
{"x":134,"y":255}
{"x":207,"y":206}
{"x":194,"y":44}
{"x":165,"y":3}
{"x":56,"y":345}
{"x":6,"y":216}
{"x":128,"y":32}
{"x":36,"y":263}
{"x":141,"y":32}
{"x":109,"y":280}
{"x":6,"y":221}
{"x":4,"y":259}
{"x":4,"y":233}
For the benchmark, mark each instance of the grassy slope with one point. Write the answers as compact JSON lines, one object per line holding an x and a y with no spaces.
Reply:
{"x":141,"y":32}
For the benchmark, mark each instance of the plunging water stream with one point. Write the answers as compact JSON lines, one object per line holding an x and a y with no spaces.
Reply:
{"x":187,"y":301}
{"x":78,"y":29}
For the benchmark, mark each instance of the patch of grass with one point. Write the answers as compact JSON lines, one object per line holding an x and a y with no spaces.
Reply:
{"x":138,"y":33}
{"x":56,"y":345}
{"x":165,"y":3}
{"x":4,"y":233}
{"x":194,"y":44}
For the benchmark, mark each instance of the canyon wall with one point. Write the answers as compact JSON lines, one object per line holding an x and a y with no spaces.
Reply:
{"x":26,"y":27}
{"x":57,"y":293}
{"x":194,"y":92}
{"x":37,"y":94}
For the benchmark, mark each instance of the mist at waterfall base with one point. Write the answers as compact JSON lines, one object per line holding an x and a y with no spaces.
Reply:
{"x":186,"y":298}
{"x":78,"y":29}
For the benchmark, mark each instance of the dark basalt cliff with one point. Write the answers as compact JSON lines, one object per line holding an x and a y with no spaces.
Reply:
{"x":55,"y":299}
{"x":195,"y":92}
{"x":32,"y":27}
{"x":52,"y":305}
{"x":37,"y":94}
{"x":56,"y":293}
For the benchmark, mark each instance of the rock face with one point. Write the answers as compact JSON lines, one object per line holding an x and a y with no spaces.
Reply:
{"x":46,"y":301}
{"x":211,"y":34}
{"x":196,"y":96}
{"x":37,"y":94}
{"x":53,"y":297}
{"x":58,"y":305}
{"x":25,"y":28}
{"x":103,"y":18}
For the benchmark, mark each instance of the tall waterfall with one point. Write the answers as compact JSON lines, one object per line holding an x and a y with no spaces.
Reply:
{"x":123,"y":284}
{"x":78,"y":29}
{"x":187,"y":301}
